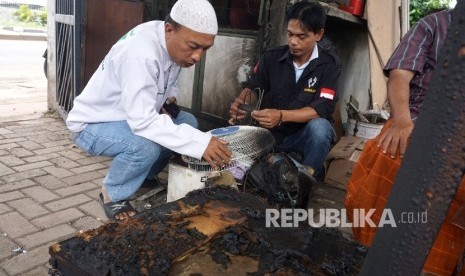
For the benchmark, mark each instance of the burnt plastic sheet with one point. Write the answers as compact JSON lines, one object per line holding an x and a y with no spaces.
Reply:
{"x":210,"y":231}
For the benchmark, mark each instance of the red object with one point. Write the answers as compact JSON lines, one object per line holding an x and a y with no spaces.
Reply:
{"x":355,"y":7}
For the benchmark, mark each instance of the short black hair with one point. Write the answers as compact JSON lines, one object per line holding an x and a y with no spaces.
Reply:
{"x":170,"y":20}
{"x":311,"y":15}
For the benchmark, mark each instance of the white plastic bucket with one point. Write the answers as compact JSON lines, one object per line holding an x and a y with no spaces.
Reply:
{"x":182,"y":180}
{"x":364,"y":130}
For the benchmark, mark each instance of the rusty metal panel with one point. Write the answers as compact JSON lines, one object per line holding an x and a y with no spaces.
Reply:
{"x":106,"y":22}
{"x":225,"y":72}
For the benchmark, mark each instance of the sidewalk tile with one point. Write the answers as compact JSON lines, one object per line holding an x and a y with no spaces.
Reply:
{"x":94,"y":209}
{"x":89,"y":176}
{"x":46,"y":236}
{"x":4,"y":170}
{"x":9,"y":146}
{"x":27,"y":261}
{"x":4,"y":208}
{"x":32,"y":166}
{"x":20,"y":152}
{"x":5,"y":247}
{"x":58,"y":172}
{"x":11,"y":160}
{"x":28,"y":208}
{"x":57,"y":218}
{"x":50,"y":182}
{"x":42,"y":157}
{"x":4,"y":197}
{"x":39,"y":271}
{"x":86,"y":223}
{"x":64,"y":162}
{"x":23,"y":175}
{"x":16,"y":225}
{"x":30,"y":145}
{"x":16,"y":185}
{"x":40,"y":194}
{"x":67,"y":202}
{"x":75,"y":189}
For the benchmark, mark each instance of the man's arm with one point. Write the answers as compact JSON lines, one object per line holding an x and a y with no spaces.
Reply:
{"x":270,"y":118}
{"x":398,"y":91}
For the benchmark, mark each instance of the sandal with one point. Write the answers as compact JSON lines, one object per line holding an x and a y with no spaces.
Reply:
{"x":113,"y":208}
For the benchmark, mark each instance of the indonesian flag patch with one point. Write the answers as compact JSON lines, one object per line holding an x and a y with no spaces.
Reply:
{"x":327,"y":93}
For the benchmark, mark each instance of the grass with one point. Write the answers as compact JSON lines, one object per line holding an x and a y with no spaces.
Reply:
{"x":8,"y":20}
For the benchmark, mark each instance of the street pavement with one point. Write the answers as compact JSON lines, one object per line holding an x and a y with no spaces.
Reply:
{"x":48,"y":187}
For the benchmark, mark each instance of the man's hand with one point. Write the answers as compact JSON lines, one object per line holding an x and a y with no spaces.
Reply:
{"x":397,"y":136}
{"x":170,"y":100}
{"x":237,"y":114}
{"x":217,"y":153}
{"x":267,"y":118}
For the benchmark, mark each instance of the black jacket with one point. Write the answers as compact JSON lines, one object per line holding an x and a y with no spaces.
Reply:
{"x":276,"y":75}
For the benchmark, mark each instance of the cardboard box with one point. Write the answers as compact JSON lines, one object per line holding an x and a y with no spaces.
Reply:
{"x":342,"y":159}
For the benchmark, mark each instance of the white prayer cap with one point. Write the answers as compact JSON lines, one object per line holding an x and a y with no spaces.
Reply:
{"x":197,"y":15}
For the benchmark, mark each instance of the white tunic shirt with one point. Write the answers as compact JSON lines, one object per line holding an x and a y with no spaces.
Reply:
{"x":132,"y":83}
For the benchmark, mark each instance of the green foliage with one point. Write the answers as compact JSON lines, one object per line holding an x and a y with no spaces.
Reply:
{"x":421,"y":8}
{"x":25,"y":14}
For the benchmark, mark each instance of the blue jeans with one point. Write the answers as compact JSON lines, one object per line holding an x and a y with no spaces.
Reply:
{"x":312,"y":141}
{"x":134,"y":157}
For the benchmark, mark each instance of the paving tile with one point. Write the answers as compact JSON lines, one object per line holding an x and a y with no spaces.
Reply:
{"x":30,"y":145}
{"x":28,"y":208}
{"x":86,"y":223}
{"x":58,"y":172}
{"x":23,"y":175}
{"x":7,"y":187}
{"x":13,"y":140}
{"x":65,"y":142}
{"x":4,"y":197}
{"x":38,"y":271}
{"x":67,"y":202}
{"x":92,"y":160}
{"x":50,"y":182}
{"x":84,"y":177}
{"x":11,"y":160}
{"x":9,"y":146}
{"x":71,"y":154}
{"x":21,"y":152}
{"x":88,"y":168}
{"x":75,"y":189}
{"x":57,"y":218}
{"x":41,"y":157}
{"x":46,"y":236}
{"x":49,"y":150}
{"x":6,"y":245}
{"x":94,"y":209}
{"x":31,"y":166}
{"x":4,"y":170}
{"x":40,"y":194}
{"x":25,"y":262}
{"x":64,"y":162}
{"x":4,"y":208}
{"x":5,"y":131}
{"x":15,"y":225}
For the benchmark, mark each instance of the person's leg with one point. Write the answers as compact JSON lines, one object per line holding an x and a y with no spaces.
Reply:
{"x":132,"y":155}
{"x":166,"y":154}
{"x":313,"y":142}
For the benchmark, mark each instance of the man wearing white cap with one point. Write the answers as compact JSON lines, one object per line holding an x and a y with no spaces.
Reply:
{"x":121,"y":112}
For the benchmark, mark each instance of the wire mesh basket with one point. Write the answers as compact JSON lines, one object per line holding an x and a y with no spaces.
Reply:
{"x":246,"y":143}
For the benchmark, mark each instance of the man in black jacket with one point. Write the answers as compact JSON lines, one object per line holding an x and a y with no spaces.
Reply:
{"x":300,"y":82}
